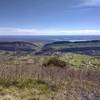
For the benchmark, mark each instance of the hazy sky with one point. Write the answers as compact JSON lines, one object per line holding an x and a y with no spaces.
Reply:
{"x":49,"y":17}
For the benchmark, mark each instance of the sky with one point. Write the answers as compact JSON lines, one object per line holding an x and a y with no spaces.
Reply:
{"x":49,"y":17}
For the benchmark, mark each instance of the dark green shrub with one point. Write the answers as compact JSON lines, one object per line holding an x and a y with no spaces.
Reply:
{"x":54,"y":61}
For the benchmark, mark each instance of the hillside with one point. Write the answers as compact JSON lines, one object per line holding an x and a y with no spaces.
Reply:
{"x":18,"y":46}
{"x":59,"y":70}
{"x":42,"y":77}
{"x":81,"y":47}
{"x":91,"y":48}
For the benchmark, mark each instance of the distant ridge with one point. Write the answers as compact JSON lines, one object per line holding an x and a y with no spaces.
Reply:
{"x":17,"y":45}
{"x":84,"y":47}
{"x":67,"y":42}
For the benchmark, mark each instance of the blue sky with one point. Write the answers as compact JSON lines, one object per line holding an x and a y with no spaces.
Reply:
{"x":49,"y":17}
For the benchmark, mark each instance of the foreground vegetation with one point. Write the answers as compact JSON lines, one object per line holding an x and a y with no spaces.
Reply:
{"x":70,"y":89}
{"x":66,"y":77}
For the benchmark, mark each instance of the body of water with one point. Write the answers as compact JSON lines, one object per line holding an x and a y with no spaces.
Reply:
{"x":49,"y":38}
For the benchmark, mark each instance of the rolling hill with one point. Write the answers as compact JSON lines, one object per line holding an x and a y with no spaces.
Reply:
{"x":18,"y":46}
{"x":81,"y":47}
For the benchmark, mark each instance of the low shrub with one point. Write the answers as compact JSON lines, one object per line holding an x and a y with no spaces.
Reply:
{"x":54,"y":61}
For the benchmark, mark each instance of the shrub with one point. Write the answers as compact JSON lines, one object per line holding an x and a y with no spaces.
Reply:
{"x":55,"y":62}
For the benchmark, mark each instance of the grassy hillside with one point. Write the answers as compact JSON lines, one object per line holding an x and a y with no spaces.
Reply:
{"x":24,"y":77}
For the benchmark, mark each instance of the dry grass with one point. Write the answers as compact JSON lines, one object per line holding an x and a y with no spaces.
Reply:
{"x":24,"y":78}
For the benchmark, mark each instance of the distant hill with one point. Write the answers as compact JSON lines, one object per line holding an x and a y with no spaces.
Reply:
{"x":68,"y":44}
{"x":84,"y":47}
{"x":18,"y":46}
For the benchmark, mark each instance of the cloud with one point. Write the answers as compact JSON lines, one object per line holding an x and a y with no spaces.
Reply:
{"x":20,"y":31}
{"x":82,"y":32}
{"x":89,"y":3}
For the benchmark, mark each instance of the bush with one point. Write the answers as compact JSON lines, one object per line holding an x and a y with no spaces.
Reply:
{"x":55,"y":62}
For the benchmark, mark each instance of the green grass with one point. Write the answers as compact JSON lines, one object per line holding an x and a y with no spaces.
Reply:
{"x":74,"y":60}
{"x":25,"y":83}
{"x":33,"y":89}
{"x":77,"y":60}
